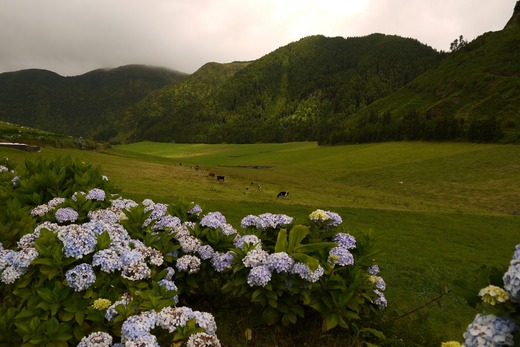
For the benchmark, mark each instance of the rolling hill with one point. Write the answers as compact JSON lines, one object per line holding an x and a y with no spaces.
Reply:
{"x":76,"y":105}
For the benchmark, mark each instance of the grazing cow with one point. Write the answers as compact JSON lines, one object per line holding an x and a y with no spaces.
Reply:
{"x":282,"y":195}
{"x":220,"y":178}
{"x":211,"y":174}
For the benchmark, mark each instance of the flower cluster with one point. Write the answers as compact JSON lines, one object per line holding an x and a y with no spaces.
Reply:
{"x":96,"y":194}
{"x":96,"y":339}
{"x":136,"y":329}
{"x":497,"y":329}
{"x":259,"y":276}
{"x":188,"y":263}
{"x":340,"y":256}
{"x":493,"y":295}
{"x":266,"y":221}
{"x":512,"y":278}
{"x":305,"y":272}
{"x":380,"y":285}
{"x":43,"y":209}
{"x":331,"y":218}
{"x":14,"y":264}
{"x":81,"y":277}
{"x":66,"y":214}
{"x":490,"y":330}
{"x":213,"y":220}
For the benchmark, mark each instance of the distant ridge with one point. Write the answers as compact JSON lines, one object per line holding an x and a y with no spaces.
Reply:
{"x":76,"y":105}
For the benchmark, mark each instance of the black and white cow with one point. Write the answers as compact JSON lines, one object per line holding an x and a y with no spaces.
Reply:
{"x":282,"y":195}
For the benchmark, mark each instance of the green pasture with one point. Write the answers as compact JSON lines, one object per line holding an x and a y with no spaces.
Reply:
{"x":439,"y":211}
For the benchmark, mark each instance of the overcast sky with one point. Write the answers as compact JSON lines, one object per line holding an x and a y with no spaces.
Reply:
{"x":72,"y":37}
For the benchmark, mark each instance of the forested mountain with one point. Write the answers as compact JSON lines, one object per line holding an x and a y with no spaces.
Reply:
{"x":76,"y":105}
{"x":473,"y":94}
{"x":297,"y":92}
{"x":333,"y":90}
{"x":173,"y":111}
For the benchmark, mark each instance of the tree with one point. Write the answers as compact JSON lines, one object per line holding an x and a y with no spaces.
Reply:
{"x":458,"y":44}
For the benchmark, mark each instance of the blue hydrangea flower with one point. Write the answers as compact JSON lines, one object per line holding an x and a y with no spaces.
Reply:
{"x":213,"y":220}
{"x":108,"y":259}
{"x":259,"y":276}
{"x":249,"y":221}
{"x":77,"y":241}
{"x":380,"y":301}
{"x":345,"y":240}
{"x":280,"y":262}
{"x":227,"y":229}
{"x":340,"y":256}
{"x":516,"y":255}
{"x":512,"y":281}
{"x":378,"y":281}
{"x":189,"y":243}
{"x":305,"y":272}
{"x":21,"y":258}
{"x":266,"y":221}
{"x":255,"y":257}
{"x":188,"y":263}
{"x":81,"y":277}
{"x":96,"y":339}
{"x":205,"y":321}
{"x":158,"y":211}
{"x":146,"y":340}
{"x":170,"y":318}
{"x":112,"y":312}
{"x":11,"y":274}
{"x":167,"y":222}
{"x":249,"y":239}
{"x":15,"y":182}
{"x":490,"y":330}
{"x":40,"y":210}
{"x":137,"y":271}
{"x":202,"y":339}
{"x":169,"y":285}
{"x":373,"y":270}
{"x":120,"y":204}
{"x":205,"y":252}
{"x":55,"y":202}
{"x":138,"y":325}
{"x":336,"y":218}
{"x":131,"y":256}
{"x":222,"y":261}
{"x":66,"y":214}
{"x":170,"y":273}
{"x":196,"y":210}
{"x":96,"y":194}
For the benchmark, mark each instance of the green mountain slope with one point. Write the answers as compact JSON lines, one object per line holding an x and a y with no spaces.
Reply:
{"x":76,"y":105}
{"x":472,"y":95}
{"x":172,"y":112}
{"x":297,"y":92}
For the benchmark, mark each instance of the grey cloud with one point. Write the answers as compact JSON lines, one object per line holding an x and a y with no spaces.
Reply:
{"x":75,"y":36}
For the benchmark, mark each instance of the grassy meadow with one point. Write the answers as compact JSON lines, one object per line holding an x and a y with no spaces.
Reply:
{"x":439,"y":211}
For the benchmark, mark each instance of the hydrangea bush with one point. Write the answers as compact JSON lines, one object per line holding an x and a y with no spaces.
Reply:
{"x":89,"y":267}
{"x":499,"y":300}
